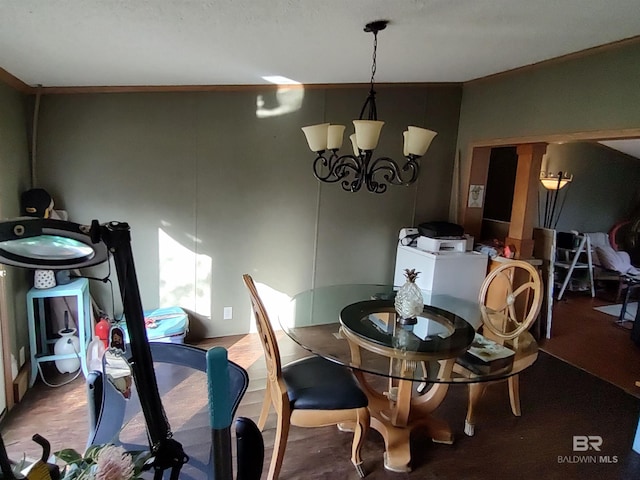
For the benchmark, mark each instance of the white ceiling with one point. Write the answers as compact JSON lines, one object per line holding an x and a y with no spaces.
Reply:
{"x":199,"y":42}
{"x":629,"y":146}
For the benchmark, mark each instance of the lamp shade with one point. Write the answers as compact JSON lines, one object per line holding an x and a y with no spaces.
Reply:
{"x":367,"y":133}
{"x":552,"y":182}
{"x":48,"y":244}
{"x":354,"y":144}
{"x":405,"y":152}
{"x":334,"y":136}
{"x":317,"y":136}
{"x":417,"y":140}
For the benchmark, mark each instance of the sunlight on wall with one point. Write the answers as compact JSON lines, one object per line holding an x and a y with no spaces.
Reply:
{"x":184,"y":276}
{"x":278,"y":306}
{"x":288,"y":98}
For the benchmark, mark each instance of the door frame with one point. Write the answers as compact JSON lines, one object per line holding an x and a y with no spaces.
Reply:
{"x":477,"y":155}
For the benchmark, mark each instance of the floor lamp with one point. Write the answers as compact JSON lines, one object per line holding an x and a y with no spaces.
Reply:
{"x":59,"y":245}
{"x":552,"y":185}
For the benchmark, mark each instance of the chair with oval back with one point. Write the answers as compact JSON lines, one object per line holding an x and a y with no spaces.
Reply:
{"x":510,"y":299}
{"x":311,"y":392}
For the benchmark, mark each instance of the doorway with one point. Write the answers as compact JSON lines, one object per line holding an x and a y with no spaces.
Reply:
{"x":501,"y":178}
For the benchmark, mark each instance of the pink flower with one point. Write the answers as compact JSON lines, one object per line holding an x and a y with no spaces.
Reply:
{"x":114,"y":464}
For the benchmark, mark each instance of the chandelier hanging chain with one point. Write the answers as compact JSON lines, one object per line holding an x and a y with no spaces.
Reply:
{"x":371,"y":98}
{"x":373,"y":60}
{"x":372,"y":92}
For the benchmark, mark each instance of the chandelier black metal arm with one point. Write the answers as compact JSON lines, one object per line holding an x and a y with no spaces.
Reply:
{"x":328,"y":170}
{"x":393,"y":174}
{"x":352,"y":171}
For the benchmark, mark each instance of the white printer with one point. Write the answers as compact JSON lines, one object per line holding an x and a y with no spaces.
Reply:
{"x":442,"y":237}
{"x":445,"y":244}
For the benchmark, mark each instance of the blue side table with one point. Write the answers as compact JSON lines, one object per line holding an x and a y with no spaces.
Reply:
{"x":78,"y":288}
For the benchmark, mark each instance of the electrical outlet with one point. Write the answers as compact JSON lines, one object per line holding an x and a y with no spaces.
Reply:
{"x":22,"y":356}
{"x":227,"y":313}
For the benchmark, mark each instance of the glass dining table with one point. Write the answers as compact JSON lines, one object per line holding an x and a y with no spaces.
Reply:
{"x":356,"y":326}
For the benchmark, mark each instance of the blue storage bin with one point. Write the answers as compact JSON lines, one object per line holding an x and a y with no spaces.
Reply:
{"x":168,"y":324}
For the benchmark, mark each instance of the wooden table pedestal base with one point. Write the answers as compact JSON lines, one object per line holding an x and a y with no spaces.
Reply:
{"x":396,"y":418}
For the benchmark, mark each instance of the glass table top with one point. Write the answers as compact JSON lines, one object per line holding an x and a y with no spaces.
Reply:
{"x":356,"y":325}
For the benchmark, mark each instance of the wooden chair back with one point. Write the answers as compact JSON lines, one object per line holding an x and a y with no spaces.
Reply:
{"x":323,"y":414}
{"x":265,"y":330}
{"x":510,"y":299}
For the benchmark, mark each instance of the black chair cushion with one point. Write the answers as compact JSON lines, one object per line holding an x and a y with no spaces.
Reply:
{"x":314,"y":383}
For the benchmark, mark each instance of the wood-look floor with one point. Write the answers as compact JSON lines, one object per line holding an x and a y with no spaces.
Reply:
{"x":594,"y":341}
{"x":558,"y":402}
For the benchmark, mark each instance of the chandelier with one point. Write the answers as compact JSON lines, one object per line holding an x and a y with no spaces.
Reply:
{"x":361,"y":168}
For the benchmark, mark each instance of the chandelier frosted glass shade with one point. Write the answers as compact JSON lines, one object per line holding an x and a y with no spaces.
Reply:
{"x":354,"y":144}
{"x":317,"y":136}
{"x":367,"y":133}
{"x":335,"y":134}
{"x":417,"y":140}
{"x":325,"y":136}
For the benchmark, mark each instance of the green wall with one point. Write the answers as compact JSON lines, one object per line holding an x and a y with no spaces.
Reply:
{"x":596,"y":92}
{"x":14,"y":179}
{"x":590,"y":204}
{"x":237,"y":189}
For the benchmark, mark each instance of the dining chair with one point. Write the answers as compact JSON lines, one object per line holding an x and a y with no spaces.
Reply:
{"x":510,"y":299}
{"x":311,"y":392}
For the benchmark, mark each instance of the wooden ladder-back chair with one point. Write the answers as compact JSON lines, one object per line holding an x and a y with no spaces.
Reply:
{"x":510,"y":299}
{"x":311,"y":392}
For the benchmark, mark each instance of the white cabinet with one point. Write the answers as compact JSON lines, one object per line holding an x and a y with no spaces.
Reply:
{"x":458,"y":274}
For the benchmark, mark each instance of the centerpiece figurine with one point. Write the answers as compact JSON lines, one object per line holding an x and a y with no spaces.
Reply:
{"x":409,"y":302}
